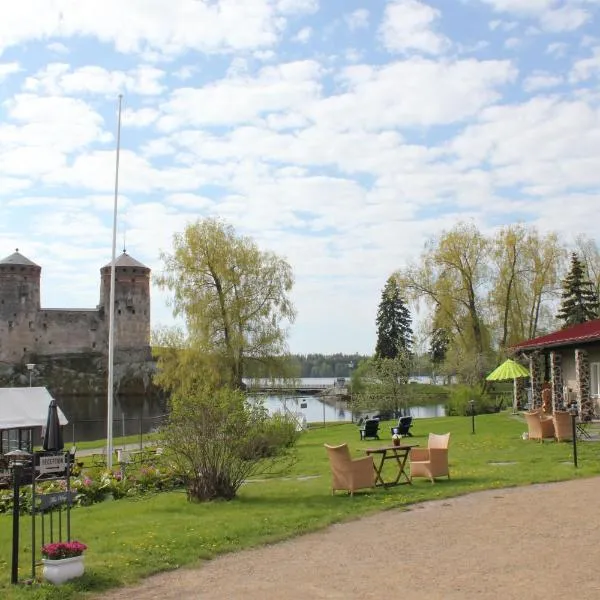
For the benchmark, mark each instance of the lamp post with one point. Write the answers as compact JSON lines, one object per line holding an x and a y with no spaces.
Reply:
{"x":18,"y":458}
{"x":472,"y":403}
{"x":30,"y":367}
{"x":574,"y":414}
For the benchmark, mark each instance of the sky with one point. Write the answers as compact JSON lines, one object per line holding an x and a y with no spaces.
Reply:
{"x":340,"y":134}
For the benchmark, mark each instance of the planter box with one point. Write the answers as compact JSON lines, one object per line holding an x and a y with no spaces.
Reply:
{"x":65,"y":569}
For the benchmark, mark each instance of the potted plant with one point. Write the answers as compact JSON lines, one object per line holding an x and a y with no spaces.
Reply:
{"x":62,"y":561}
{"x":396,"y":439}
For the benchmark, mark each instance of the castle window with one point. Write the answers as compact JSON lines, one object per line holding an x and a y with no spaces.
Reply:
{"x":45,"y":325}
{"x":10,"y":324}
{"x":133,"y":311}
{"x":93,"y":344}
{"x":30,"y":324}
{"x":129,"y":301}
{"x":24,"y":349}
{"x":49,"y":342}
{"x":93,"y":326}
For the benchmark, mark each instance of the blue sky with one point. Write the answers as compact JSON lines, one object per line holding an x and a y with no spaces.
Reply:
{"x":340,"y":134}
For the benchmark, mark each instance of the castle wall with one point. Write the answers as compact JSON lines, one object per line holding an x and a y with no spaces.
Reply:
{"x":26,"y":330}
{"x":61,"y":331}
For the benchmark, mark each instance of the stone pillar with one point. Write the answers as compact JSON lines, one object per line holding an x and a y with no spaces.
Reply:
{"x":519,"y":393}
{"x":535,"y":375}
{"x":582,"y":375}
{"x":556,"y":379}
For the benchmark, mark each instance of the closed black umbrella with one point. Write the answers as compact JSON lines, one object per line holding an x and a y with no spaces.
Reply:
{"x":53,"y":437}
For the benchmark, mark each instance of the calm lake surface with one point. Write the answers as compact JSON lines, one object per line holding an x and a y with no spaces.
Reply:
{"x":140,"y":415}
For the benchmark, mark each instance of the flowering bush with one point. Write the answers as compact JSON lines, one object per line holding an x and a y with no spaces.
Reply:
{"x":60,"y":550}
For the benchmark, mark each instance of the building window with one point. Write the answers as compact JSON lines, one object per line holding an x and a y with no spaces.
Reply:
{"x":595,"y":380}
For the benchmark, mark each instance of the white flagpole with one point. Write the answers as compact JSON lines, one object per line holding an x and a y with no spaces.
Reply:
{"x":111,"y":310}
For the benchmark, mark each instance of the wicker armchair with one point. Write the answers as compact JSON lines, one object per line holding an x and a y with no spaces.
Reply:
{"x":540,"y":427}
{"x":563,"y":427}
{"x":431,"y":462}
{"x":348,"y":474}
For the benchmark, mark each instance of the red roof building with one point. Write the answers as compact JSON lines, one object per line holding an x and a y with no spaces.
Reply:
{"x":567,"y":362}
{"x":582,"y":333}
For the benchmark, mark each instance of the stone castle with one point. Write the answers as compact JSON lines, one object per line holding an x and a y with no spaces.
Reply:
{"x":32,"y":334}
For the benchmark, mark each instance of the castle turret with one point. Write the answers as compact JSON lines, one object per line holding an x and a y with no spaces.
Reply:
{"x":132,"y":301}
{"x":19,"y":305}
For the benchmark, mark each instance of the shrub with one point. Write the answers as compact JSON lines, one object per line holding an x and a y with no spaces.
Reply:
{"x":459,"y":401}
{"x":217,"y":438}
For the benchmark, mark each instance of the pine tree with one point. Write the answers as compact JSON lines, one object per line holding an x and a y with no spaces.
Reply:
{"x":579,"y":300}
{"x":440,"y":340}
{"x":394,"y":331}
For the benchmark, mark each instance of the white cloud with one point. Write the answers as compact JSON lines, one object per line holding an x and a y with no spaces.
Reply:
{"x":139,"y":118}
{"x":512,"y":43}
{"x":502,"y":25}
{"x":376,"y":100}
{"x":409,"y":25}
{"x":541,"y":80}
{"x":58,"y":48}
{"x":586,"y":68}
{"x":358,"y":19}
{"x":303,"y":35}
{"x":166,"y":27}
{"x":552,"y":17}
{"x":51,"y":124}
{"x":238,"y":99}
{"x":7,"y":69}
{"x":59,"y":78}
{"x":545,"y":144}
{"x":565,"y":18}
{"x":297,"y":6}
{"x":557,"y":49}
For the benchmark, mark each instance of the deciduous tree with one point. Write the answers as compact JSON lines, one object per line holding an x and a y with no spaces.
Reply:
{"x":233,"y":297}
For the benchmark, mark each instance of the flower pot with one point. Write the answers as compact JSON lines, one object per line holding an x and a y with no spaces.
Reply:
{"x":60,"y":571}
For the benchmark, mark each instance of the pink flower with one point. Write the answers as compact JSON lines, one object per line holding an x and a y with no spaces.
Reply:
{"x":60,"y":550}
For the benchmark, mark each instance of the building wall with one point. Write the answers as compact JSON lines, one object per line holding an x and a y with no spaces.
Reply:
{"x":568,"y":361}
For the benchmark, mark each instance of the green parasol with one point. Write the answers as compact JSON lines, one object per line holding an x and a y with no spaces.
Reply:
{"x":509,"y":369}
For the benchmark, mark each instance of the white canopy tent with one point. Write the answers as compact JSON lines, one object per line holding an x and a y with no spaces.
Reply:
{"x":25,"y":408}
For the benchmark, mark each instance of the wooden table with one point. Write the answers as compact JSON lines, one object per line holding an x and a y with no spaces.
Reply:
{"x":397,"y":453}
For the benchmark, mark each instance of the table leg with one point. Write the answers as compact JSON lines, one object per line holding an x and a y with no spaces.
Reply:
{"x":378,"y":469}
{"x":401,"y":460}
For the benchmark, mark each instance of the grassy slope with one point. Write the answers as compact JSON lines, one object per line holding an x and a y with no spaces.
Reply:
{"x":132,"y":538}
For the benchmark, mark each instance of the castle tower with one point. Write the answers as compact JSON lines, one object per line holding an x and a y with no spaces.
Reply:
{"x":132,"y":301}
{"x":19,"y":305}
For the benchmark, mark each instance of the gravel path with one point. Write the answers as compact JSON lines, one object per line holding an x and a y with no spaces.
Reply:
{"x":541,"y":541}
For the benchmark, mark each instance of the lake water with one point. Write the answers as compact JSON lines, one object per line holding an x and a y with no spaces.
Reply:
{"x":140,"y":415}
{"x":317,"y":411}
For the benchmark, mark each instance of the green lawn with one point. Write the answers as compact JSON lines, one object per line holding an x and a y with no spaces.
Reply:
{"x":129,"y":539}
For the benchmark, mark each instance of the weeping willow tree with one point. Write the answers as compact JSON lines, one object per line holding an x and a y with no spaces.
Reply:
{"x":234,"y":301}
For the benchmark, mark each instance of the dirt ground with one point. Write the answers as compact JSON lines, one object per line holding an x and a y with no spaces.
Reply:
{"x":541,"y":541}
